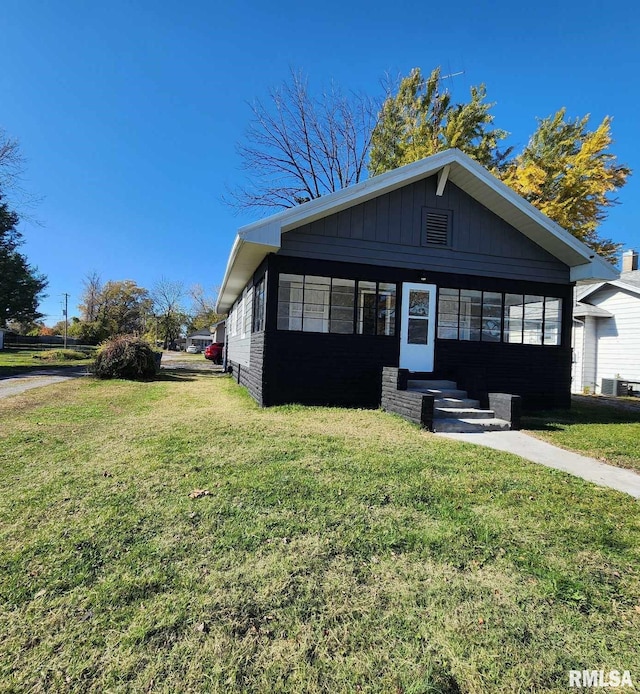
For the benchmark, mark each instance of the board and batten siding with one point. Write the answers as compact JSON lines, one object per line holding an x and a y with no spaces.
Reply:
{"x":388,"y":230}
{"x":239,"y":325}
{"x":618,"y":337}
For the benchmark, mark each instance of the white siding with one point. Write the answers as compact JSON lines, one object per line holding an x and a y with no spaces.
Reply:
{"x":578,"y":350}
{"x":585,"y":356}
{"x":618,"y":337}
{"x":239,"y":329}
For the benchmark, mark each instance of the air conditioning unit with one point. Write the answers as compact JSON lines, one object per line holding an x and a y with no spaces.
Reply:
{"x":615,"y":387}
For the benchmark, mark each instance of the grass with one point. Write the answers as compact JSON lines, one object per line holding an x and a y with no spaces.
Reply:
{"x":171,"y":536}
{"x":596,"y":428}
{"x":20,"y":360}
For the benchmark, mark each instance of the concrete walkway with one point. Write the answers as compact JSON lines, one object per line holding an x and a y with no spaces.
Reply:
{"x":19,"y":383}
{"x":538,"y":451}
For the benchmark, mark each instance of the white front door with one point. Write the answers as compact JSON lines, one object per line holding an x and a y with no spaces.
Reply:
{"x":417,"y":326}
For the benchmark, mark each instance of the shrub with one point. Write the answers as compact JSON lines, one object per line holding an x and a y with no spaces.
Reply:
{"x":60,"y":355}
{"x":125,"y":356}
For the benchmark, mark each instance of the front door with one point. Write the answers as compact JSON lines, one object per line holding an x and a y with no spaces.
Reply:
{"x":418,"y":326}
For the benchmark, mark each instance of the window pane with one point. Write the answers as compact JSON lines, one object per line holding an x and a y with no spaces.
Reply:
{"x":470,"y":311}
{"x":513,"y":315}
{"x":533,"y":314}
{"x":418,"y":331}
{"x":552,"y":309}
{"x":418,"y":303}
{"x":386,"y":309}
{"x":367,"y":308}
{"x":343,"y":294}
{"x":552,"y":333}
{"x":448,"y":307}
{"x":258,"y":307}
{"x":491,"y":316}
{"x":315,"y":314}
{"x":290,"y":293}
{"x":290,"y":288}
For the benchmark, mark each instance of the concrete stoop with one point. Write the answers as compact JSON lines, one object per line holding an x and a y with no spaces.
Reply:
{"x":453,"y":411}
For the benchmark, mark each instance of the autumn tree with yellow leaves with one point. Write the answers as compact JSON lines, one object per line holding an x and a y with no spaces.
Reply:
{"x":421,"y":119}
{"x":568,"y":173}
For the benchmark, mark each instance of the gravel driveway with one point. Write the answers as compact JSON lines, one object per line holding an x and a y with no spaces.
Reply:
{"x":14,"y":385}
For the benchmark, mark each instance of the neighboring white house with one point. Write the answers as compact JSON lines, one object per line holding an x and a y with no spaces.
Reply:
{"x":201,"y":338}
{"x":606,"y":334}
{"x":218,"y":331}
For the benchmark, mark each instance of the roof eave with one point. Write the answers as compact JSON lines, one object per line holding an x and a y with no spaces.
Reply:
{"x":258,"y":239}
{"x":244,"y":259}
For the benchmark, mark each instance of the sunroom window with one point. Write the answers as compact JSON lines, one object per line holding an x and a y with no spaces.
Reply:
{"x":474,"y":315}
{"x":312,"y":303}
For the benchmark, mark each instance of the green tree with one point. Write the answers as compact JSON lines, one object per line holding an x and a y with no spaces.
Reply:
{"x":123,"y":308}
{"x":567,"y":172}
{"x":21,"y":285}
{"x":88,"y":332}
{"x":420,"y":119}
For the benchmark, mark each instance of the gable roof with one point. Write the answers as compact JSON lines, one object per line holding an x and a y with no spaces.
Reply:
{"x":620,"y":284}
{"x":254,"y":241}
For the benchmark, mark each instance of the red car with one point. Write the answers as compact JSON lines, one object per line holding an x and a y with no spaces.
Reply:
{"x":214,"y":352}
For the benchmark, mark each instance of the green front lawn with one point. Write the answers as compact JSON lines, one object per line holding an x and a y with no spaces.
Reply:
{"x":171,"y":536}
{"x":592,"y":427}
{"x":20,"y":360}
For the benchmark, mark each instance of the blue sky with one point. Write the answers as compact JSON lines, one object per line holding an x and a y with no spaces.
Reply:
{"x":128,"y":111}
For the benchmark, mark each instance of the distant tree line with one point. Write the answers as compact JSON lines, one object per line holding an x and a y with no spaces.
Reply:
{"x":162,"y":314}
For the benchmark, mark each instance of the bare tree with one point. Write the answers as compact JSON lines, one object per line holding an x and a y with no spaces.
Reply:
{"x":167,"y":299}
{"x":203,"y":308}
{"x":91,"y":297}
{"x":11,"y":162}
{"x":299,"y":147}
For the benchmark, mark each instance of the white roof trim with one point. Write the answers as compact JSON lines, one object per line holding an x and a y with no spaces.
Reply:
{"x":620,"y":284}
{"x":254,"y":241}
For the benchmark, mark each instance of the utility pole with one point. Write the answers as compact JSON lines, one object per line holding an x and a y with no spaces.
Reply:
{"x":66,"y":318}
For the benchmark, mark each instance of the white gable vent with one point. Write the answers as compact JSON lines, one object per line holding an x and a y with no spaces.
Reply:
{"x":437,"y":227}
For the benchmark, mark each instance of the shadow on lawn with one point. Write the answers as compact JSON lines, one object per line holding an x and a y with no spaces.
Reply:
{"x":580,"y":413}
{"x":10,"y":371}
{"x":185,"y":374}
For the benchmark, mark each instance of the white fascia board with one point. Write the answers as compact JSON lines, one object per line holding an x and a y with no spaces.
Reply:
{"x":584,"y":292}
{"x":583,"y":261}
{"x":597,"y":269}
{"x":354,"y":195}
{"x":244,"y":259}
{"x":619,"y":284}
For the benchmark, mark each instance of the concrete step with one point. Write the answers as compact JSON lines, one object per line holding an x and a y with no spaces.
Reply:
{"x":456,"y":402}
{"x":470,"y":426}
{"x":424,"y":383}
{"x":442,"y":393}
{"x":462,"y":413}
